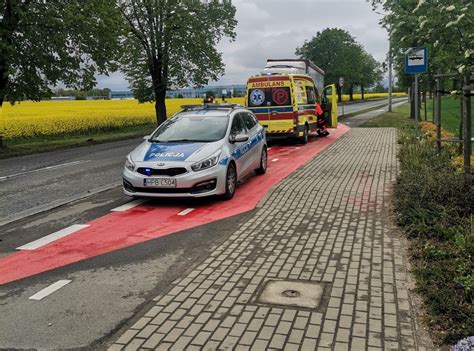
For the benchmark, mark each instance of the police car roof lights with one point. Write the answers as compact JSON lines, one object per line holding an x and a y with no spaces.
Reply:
{"x":211,"y":107}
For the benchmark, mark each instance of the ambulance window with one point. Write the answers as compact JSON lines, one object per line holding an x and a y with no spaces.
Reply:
{"x":311,"y":95}
{"x":264,"y":97}
{"x":300,"y":94}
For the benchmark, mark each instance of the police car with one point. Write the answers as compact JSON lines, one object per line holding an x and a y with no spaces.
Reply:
{"x":201,"y":151}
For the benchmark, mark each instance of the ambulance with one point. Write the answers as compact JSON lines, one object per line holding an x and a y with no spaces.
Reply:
{"x":284,"y":96}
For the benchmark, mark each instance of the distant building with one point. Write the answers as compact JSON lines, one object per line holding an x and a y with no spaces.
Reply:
{"x":60,"y":98}
{"x":120,"y":95}
{"x":219,"y":90}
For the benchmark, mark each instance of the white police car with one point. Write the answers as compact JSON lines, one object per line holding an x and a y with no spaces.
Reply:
{"x":203,"y":150}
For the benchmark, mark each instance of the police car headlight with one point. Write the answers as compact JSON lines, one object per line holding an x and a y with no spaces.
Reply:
{"x":207,"y":163}
{"x":129,"y":164}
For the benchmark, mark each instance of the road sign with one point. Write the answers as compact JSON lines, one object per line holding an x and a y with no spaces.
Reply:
{"x":416,"y":61}
{"x":341,"y":82}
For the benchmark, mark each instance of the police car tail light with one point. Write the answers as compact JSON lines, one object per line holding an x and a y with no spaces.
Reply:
{"x":129,"y":164}
{"x":206,"y":163}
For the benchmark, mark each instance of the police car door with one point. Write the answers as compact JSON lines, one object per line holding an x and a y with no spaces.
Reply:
{"x":255,"y":145}
{"x":239,"y":150}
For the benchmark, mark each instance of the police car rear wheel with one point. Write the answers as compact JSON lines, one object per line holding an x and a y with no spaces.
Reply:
{"x":263,"y":162}
{"x":230,"y":182}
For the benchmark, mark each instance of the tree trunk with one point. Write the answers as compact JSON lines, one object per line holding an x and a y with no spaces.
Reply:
{"x":351,"y":93}
{"x":160,"y":106}
{"x":362,"y":91}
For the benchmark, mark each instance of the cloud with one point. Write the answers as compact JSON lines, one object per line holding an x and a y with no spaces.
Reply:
{"x":275,"y":28}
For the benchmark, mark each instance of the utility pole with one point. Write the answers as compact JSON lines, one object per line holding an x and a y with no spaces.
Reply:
{"x":389,"y":76}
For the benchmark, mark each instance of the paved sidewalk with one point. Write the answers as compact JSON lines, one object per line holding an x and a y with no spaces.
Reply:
{"x":325,"y":224}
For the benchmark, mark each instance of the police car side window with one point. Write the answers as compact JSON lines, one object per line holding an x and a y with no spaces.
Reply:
{"x":249,"y":121}
{"x":238,"y":126}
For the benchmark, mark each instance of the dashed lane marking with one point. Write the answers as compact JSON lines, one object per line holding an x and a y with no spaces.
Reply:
{"x":185,"y":212}
{"x":128,"y":205}
{"x":49,"y":290}
{"x":52,"y":237}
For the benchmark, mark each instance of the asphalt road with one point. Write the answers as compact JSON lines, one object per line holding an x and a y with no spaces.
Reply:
{"x":108,"y":290}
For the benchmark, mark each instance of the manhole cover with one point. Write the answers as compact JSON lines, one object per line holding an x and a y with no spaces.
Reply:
{"x":291,"y":293}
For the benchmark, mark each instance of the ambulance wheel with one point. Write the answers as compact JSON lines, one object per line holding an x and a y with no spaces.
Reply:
{"x":230,"y":182}
{"x":263,"y":162}
{"x":305,"y":137}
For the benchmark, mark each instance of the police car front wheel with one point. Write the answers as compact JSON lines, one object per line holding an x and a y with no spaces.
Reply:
{"x":230,"y":182}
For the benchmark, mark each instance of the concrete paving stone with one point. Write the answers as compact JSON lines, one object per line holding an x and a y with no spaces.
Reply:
{"x":288,"y":315}
{"x":333,"y":313}
{"x":153,"y":341}
{"x":211,"y":325}
{"x":220,"y":334}
{"x":166,"y":327}
{"x":283,"y":327}
{"x":272,"y":320}
{"x":229,"y":343}
{"x":173,"y":335}
{"x":260,"y":344}
{"x":340,"y":346}
{"x":153,"y":312}
{"x":181,"y":343}
{"x":266,"y":333}
{"x":343,"y":335}
{"x":248,"y":338}
{"x":201,"y":338}
{"x":192,"y":330}
{"x":255,"y":324}
{"x":329,"y":326}
{"x":390,"y":333}
{"x":390,"y":320}
{"x":141,"y":323}
{"x":115,"y":347}
{"x":359,"y":330}
{"x":358,"y":343}
{"x":391,"y":345}
{"x":165,"y":346}
{"x":326,"y":340}
{"x":185,"y":322}
{"x":147,"y":331}
{"x":375,"y":339}
{"x":127,"y":336}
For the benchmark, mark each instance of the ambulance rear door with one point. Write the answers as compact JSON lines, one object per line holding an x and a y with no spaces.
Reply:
{"x":269,"y":97}
{"x":329,"y":105}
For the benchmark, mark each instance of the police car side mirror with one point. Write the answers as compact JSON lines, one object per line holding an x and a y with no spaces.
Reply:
{"x":239,"y":138}
{"x":146,"y":137}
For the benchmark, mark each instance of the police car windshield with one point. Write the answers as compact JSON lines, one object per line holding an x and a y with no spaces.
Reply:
{"x":191,"y":129}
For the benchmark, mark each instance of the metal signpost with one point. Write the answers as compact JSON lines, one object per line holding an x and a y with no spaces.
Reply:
{"x":341,"y":84}
{"x":416,"y":62}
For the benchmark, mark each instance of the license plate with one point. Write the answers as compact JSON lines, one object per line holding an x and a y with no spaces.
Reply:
{"x":160,"y":182}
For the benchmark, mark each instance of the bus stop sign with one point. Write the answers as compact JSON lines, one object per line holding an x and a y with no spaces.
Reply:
{"x":416,"y":61}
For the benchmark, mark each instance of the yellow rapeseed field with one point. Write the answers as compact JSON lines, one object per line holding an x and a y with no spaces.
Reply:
{"x":33,"y":119}
{"x":36,"y":119}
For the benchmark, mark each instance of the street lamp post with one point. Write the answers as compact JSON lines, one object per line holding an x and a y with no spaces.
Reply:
{"x":389,"y":76}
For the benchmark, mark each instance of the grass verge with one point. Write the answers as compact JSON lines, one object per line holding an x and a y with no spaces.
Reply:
{"x":28,"y":146}
{"x":434,"y":205}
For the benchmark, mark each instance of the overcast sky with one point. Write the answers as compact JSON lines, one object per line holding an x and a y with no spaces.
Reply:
{"x":275,"y":28}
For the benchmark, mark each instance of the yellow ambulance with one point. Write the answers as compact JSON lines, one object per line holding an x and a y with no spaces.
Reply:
{"x":284,"y":98}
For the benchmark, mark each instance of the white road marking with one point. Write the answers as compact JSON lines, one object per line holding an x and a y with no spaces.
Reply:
{"x":49,"y":290}
{"x":53,"y":237}
{"x":269,"y":148}
{"x":185,"y":212}
{"x":128,"y":205}
{"x":275,"y":159}
{"x":74,"y":163}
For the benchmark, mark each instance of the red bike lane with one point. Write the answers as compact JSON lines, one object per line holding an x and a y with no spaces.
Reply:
{"x":148,"y":221}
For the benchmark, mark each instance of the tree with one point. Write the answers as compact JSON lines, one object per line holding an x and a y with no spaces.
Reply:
{"x":443,"y":26}
{"x":371,"y":72}
{"x":339,"y":55}
{"x":43,"y":43}
{"x":172,"y":43}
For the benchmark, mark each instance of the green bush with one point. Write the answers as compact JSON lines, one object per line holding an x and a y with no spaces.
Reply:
{"x":435,"y":206}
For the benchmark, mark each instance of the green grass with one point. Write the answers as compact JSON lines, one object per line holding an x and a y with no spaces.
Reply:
{"x":450,"y":113}
{"x":434,"y":205}
{"x":27,"y":146}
